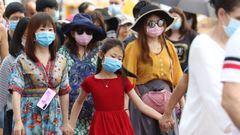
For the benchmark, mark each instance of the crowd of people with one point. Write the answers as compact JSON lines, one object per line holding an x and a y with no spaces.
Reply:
{"x":103,"y":72}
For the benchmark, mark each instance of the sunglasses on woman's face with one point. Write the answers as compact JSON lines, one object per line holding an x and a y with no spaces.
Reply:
{"x":116,"y":3}
{"x":152,"y":23}
{"x":81,"y":31}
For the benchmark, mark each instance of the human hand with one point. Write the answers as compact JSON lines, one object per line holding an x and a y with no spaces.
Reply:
{"x":127,"y":111}
{"x":166,"y":122}
{"x":67,"y":129}
{"x":18,"y":128}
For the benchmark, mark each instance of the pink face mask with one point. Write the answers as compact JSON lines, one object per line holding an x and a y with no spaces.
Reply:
{"x":83,"y":39}
{"x":155,"y":31}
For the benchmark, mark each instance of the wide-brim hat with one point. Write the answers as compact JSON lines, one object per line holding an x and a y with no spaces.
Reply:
{"x":153,"y":9}
{"x":112,"y":21}
{"x":86,"y":21}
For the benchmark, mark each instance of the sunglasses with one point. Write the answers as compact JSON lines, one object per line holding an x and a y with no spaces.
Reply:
{"x":81,"y":31}
{"x":152,"y":23}
{"x":116,"y":3}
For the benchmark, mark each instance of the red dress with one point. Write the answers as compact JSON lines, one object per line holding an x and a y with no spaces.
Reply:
{"x":108,"y":96}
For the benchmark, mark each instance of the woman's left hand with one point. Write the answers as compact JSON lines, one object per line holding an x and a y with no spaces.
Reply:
{"x":67,"y":129}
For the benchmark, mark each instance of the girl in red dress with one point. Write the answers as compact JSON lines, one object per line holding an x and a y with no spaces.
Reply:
{"x":107,"y":88}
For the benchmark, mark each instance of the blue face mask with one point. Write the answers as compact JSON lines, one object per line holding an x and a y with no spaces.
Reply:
{"x":45,"y":38}
{"x":13,"y":25}
{"x":56,"y":16}
{"x":114,"y":9}
{"x":177,"y":25}
{"x":232,"y":26}
{"x":111,"y":64}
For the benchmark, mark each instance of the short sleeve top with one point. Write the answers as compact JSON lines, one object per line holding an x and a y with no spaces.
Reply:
{"x":108,"y":94}
{"x":231,"y":67}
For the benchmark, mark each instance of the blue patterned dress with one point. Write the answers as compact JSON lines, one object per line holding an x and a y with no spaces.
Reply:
{"x":78,"y":70}
{"x":31,"y":80}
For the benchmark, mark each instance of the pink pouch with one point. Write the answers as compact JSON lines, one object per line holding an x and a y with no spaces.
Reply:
{"x":46,"y":99}
{"x":158,"y":100}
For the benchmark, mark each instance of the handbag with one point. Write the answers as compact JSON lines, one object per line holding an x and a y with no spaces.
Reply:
{"x":158,"y":100}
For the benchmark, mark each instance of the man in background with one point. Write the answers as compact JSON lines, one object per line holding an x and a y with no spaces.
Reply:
{"x":30,"y":6}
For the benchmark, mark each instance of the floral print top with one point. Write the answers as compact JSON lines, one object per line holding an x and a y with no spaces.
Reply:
{"x":31,"y":80}
{"x":78,"y":70}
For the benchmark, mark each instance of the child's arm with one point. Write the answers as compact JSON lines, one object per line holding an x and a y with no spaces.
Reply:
{"x":77,"y":106}
{"x":126,"y":103}
{"x":141,"y":106}
{"x":147,"y":110}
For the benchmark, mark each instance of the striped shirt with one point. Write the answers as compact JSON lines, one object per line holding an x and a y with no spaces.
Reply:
{"x":5,"y":72}
{"x":231,"y":67}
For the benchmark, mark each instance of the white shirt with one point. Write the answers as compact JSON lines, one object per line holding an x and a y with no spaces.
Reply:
{"x":203,"y":113}
{"x":231,"y":67}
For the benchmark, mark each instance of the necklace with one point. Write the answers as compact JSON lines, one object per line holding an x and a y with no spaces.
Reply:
{"x":106,"y":83}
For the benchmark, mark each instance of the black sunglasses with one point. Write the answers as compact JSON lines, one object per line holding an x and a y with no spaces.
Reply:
{"x":81,"y":31}
{"x":152,"y":23}
{"x":116,"y":3}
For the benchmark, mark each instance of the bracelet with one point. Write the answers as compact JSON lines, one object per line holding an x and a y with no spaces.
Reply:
{"x":125,"y":109}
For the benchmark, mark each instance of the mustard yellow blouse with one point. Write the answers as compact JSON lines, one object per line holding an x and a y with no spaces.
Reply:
{"x":160,"y":69}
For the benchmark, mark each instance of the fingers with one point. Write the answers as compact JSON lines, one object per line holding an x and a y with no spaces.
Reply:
{"x":165,"y":126}
{"x":69,"y":131}
{"x":18,"y":132}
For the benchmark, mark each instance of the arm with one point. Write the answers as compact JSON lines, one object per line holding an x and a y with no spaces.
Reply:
{"x":66,"y":127}
{"x":164,"y":125}
{"x":177,"y":94}
{"x":231,"y":79}
{"x":231,"y":101}
{"x":64,"y":101}
{"x":141,"y":106}
{"x":16,"y":106}
{"x":16,"y":86}
{"x":3,"y":42}
{"x":126,"y":103}
{"x":18,"y":127}
{"x":77,"y":106}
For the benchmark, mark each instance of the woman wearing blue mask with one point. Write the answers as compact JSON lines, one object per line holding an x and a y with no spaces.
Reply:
{"x":203,"y":113}
{"x":108,"y":86}
{"x":81,"y":52}
{"x":39,"y":82}
{"x":181,"y":36}
{"x":16,"y":47}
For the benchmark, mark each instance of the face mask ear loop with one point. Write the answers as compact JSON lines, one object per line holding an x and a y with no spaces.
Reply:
{"x":229,"y":17}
